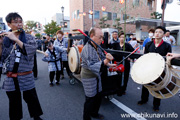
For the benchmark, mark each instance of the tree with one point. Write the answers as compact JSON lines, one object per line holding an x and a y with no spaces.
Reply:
{"x":117,"y":25}
{"x":30,"y":25}
{"x":51,"y":28}
{"x":156,"y":15}
{"x":38,"y":35}
{"x":103,"y":24}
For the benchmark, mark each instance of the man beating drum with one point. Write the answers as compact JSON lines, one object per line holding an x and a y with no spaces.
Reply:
{"x":156,"y":46}
{"x":94,"y":64}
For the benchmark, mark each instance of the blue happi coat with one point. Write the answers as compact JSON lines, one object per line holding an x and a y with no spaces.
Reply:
{"x":53,"y":62}
{"x":62,"y":43}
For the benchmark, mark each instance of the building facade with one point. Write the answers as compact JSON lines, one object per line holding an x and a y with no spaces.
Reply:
{"x":112,"y":10}
{"x":58,"y":18}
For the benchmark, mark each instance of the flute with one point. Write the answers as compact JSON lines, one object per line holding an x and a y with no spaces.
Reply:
{"x":18,"y":30}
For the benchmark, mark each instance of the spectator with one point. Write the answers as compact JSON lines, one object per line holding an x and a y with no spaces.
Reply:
{"x":151,"y":34}
{"x":169,"y":38}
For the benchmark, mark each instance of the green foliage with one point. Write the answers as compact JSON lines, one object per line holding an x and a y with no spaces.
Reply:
{"x":51,"y":28}
{"x":156,"y":15}
{"x":103,"y":24}
{"x":30,"y":25}
{"x":117,"y":25}
{"x":38,"y":35}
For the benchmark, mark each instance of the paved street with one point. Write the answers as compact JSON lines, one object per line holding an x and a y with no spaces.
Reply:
{"x":65,"y":101}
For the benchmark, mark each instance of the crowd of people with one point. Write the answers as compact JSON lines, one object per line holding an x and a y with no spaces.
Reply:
{"x":92,"y":67}
{"x":20,"y":48}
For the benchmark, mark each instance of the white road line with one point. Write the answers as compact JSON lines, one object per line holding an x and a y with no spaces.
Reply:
{"x":126,"y":109}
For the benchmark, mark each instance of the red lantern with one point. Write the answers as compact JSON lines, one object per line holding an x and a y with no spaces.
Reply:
{"x":91,"y":12}
{"x":121,"y":1}
{"x":84,"y":13}
{"x":103,"y":8}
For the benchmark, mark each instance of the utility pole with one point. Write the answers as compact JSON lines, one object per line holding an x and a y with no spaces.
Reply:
{"x":92,"y":13}
{"x":163,"y":11}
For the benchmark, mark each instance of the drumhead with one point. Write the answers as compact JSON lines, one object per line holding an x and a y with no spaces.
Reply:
{"x":147,"y":68}
{"x":73,"y":59}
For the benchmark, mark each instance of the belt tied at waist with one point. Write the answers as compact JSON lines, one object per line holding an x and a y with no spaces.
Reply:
{"x":11,"y":74}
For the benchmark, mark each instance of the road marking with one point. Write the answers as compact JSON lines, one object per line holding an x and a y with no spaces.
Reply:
{"x":126,"y":109}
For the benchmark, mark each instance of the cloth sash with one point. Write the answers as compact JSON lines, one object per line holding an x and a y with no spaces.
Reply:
{"x":86,"y":73}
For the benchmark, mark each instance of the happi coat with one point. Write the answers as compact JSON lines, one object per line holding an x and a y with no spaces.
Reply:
{"x":62,"y":43}
{"x":26,"y":63}
{"x":92,"y":67}
{"x":53,"y":59}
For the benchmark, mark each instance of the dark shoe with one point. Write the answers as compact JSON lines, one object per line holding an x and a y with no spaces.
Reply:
{"x":98,"y":116}
{"x":141,"y":102}
{"x":35,"y":78}
{"x":51,"y":84}
{"x":37,"y":118}
{"x":156,"y":108}
{"x":57,"y":83}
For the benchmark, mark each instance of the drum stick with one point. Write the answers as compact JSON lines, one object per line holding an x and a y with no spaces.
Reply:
{"x":128,"y":56}
{"x":39,"y":51}
{"x":90,"y":39}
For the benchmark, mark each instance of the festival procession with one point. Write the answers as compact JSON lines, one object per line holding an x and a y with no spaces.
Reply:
{"x":90,"y":60}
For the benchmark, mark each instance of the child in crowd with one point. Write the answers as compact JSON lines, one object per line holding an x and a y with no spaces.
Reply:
{"x":52,"y":56}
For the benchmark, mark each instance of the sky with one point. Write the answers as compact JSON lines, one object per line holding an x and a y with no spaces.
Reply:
{"x":43,"y":10}
{"x":171,"y":11}
{"x":36,"y":10}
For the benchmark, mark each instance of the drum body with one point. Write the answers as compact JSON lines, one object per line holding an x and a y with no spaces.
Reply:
{"x":74,"y":59}
{"x":151,"y":71}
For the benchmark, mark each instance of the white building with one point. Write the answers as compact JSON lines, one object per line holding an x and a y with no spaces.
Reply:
{"x":58,"y":18}
{"x":172,"y":14}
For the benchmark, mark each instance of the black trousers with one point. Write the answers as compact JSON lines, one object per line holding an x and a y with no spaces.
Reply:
{"x":51,"y":76}
{"x":64,"y":64}
{"x":145,"y":96}
{"x":15,"y":104}
{"x":91,"y":106}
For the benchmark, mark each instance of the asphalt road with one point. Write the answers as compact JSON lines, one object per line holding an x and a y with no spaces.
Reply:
{"x":65,"y":101}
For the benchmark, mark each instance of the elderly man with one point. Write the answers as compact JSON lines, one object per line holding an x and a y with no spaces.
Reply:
{"x":93,"y":67}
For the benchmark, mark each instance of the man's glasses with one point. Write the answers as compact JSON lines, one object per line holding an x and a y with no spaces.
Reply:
{"x":16,"y":22}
